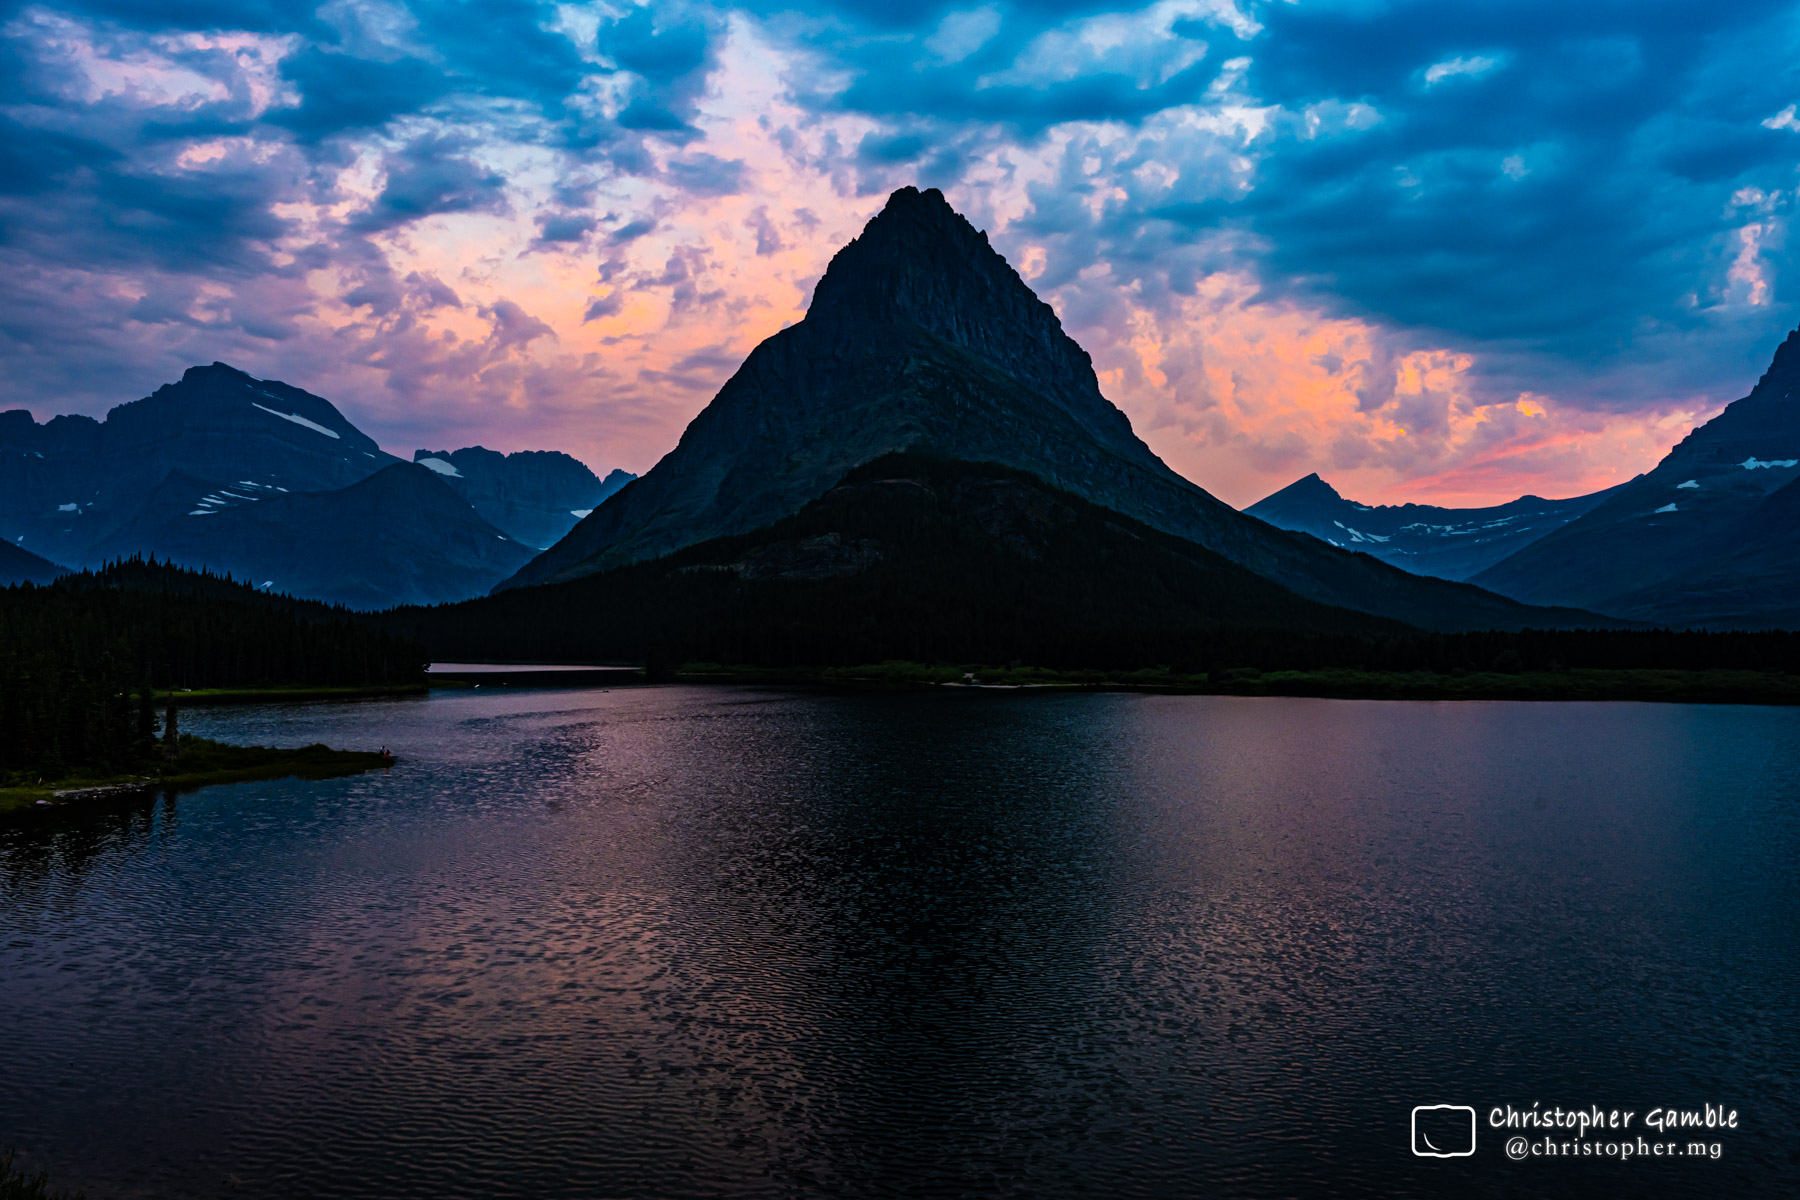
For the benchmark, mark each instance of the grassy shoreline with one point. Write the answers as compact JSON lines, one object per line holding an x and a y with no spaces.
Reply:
{"x":1636,"y":684}
{"x":264,"y":695}
{"x":202,"y":763}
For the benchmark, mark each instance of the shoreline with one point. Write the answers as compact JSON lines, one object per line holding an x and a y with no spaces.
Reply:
{"x":212,"y":763}
{"x":200,"y":697}
{"x":1649,"y":685}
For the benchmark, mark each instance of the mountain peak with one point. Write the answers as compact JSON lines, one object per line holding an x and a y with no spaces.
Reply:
{"x":217,"y":368}
{"x":1763,"y":425}
{"x":1785,"y":367}
{"x":919,"y":262}
{"x":1309,"y":489}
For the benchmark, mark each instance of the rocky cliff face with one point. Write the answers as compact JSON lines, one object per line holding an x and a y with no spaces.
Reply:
{"x":537,"y":496}
{"x":1652,"y":541}
{"x":922,"y":338}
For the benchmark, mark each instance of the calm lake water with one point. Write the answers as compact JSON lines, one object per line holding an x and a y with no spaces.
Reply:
{"x":674,"y":942}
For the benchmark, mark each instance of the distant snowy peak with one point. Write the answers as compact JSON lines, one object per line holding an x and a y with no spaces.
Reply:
{"x":1451,"y":543}
{"x":537,"y":496}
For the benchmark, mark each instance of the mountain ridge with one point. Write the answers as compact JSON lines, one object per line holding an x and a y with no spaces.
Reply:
{"x":1679,"y":520}
{"x":1426,"y":539}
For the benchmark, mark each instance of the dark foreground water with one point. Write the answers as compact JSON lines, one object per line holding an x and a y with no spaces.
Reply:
{"x":732,"y":943}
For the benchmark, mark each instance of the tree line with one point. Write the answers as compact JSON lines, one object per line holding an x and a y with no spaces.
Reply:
{"x":81,"y":657}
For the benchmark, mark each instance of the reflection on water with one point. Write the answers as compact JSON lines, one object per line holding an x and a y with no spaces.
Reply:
{"x":689,"y":942}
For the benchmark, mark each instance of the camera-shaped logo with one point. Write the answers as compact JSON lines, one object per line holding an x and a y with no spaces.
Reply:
{"x":1443,"y":1131}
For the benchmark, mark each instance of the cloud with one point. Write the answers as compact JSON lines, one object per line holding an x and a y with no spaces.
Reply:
{"x":1475,"y":247}
{"x":429,"y":177}
{"x":1450,"y":68}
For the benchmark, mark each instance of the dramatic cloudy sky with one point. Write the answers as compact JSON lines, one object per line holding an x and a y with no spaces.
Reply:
{"x":1430,"y":250}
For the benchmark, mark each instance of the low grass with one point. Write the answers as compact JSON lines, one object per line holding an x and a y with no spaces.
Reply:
{"x":200,"y":763}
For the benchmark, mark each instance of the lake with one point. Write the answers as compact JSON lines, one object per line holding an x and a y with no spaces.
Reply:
{"x":735,"y":942}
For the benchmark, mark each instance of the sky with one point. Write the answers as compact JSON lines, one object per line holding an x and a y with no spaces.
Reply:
{"x":1437,"y":252}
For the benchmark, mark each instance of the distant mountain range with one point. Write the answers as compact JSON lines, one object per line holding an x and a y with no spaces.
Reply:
{"x":73,"y":479}
{"x":272,"y":484}
{"x":1017,"y":487}
{"x":1449,"y":543}
{"x":535,"y":495}
{"x":1706,"y":538}
{"x":1710,"y":538}
{"x":922,"y":339}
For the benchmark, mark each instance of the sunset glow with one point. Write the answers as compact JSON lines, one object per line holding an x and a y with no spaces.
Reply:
{"x":564,"y":226}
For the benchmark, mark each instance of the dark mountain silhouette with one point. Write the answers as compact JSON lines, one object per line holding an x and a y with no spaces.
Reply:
{"x":18,"y":565}
{"x":174,"y":475}
{"x":1667,"y":546}
{"x":908,"y":557}
{"x":1450,"y":543}
{"x":72,"y":480}
{"x":921,"y":338}
{"x":398,"y":537}
{"x":1752,"y":580}
{"x":534,"y":495}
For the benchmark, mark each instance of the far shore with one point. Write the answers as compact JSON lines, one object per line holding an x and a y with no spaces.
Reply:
{"x":1580,"y":684}
{"x":1654,"y":685}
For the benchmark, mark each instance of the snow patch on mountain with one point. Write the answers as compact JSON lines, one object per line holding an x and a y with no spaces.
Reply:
{"x":1357,"y":536}
{"x":1753,"y":463}
{"x":297,"y":419}
{"x":440,"y":466}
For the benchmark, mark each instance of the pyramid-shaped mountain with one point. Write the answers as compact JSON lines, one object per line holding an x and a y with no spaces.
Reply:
{"x":1671,"y":545}
{"x":921,"y":338}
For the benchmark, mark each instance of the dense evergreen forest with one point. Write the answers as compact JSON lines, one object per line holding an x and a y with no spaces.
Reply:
{"x":79,"y":657}
{"x":953,"y":563}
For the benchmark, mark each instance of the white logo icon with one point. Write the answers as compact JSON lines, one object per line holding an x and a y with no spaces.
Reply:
{"x":1443,"y":1131}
